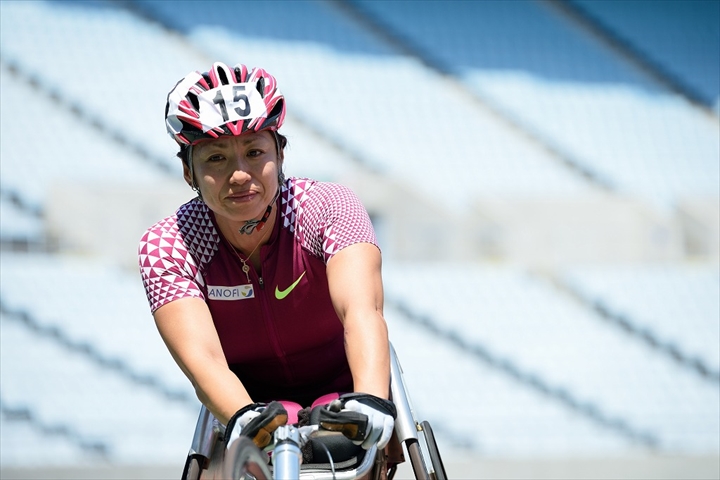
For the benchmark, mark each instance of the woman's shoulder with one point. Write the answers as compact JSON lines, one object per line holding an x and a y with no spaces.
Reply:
{"x":187,"y":237}
{"x":325,"y":216}
{"x":301,"y":190}
{"x":191,"y":219}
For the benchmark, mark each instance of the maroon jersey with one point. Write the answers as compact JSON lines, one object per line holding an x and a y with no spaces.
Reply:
{"x":279,"y":332}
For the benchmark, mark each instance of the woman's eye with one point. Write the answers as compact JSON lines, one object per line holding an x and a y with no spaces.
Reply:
{"x":215,"y":158}
{"x":254,"y":153}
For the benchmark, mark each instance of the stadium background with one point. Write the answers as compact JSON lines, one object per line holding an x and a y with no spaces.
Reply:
{"x":544,"y":178}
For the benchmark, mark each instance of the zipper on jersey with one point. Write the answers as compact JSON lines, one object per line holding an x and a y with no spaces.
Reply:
{"x":270,"y":327}
{"x":269,"y":324}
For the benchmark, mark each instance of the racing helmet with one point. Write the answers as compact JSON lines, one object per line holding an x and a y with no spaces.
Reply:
{"x":223,"y":101}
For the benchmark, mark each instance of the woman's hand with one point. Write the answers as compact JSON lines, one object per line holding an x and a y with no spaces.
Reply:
{"x":380,"y":413}
{"x":257,"y":421}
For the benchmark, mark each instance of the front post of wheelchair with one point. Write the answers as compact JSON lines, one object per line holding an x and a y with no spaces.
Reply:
{"x":405,"y":425}
{"x":287,"y":456}
{"x":207,"y":431}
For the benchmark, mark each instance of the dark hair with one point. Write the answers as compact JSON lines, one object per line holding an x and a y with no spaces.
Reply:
{"x":280,"y":139}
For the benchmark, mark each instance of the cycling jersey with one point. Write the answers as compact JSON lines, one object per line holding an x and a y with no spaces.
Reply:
{"x":279,"y":332}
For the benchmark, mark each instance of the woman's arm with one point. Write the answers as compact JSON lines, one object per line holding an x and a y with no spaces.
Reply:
{"x":187,"y":328}
{"x":355,"y":281}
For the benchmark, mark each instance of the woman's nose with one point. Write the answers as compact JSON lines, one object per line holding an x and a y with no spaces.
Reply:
{"x":240,"y":173}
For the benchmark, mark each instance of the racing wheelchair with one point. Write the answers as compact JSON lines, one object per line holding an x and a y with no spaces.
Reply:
{"x":334,"y":458}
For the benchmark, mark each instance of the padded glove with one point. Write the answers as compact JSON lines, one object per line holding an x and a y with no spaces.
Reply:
{"x":257,"y":421}
{"x":380,"y":413}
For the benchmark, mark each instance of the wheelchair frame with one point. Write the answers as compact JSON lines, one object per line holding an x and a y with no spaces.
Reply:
{"x":207,"y":458}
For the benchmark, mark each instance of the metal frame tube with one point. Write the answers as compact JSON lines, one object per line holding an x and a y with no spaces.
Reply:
{"x":405,"y":425}
{"x":286,"y":457}
{"x":206,"y":434}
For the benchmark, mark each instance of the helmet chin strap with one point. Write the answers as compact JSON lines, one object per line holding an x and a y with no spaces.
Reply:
{"x":252,"y":225}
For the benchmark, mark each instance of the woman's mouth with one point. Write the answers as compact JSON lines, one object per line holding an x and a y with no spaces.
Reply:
{"x":242,"y":196}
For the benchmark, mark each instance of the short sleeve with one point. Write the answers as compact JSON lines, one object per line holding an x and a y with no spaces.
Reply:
{"x":168,"y":270}
{"x":330,"y":217}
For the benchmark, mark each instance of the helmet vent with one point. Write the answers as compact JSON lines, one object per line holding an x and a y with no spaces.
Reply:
{"x":260,"y":85}
{"x":222,"y":75}
{"x":277,"y":109}
{"x":194,"y":100}
{"x":239,"y":74}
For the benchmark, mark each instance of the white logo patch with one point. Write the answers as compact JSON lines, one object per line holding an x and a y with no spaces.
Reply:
{"x":238,"y":292}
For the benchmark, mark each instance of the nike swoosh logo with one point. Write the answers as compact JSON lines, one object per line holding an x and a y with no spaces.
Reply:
{"x":280,"y":294}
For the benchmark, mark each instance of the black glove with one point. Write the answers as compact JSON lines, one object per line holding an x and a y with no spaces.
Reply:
{"x":257,"y":421}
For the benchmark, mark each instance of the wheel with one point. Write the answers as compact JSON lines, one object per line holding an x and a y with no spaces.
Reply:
{"x":193,"y":467}
{"x":245,"y":461}
{"x":433,"y":451}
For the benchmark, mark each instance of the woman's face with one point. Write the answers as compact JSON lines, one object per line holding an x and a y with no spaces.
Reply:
{"x":237,"y":176}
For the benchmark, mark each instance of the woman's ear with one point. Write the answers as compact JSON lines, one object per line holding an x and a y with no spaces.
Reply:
{"x":187,"y":175}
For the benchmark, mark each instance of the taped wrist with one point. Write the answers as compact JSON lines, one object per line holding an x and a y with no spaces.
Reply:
{"x":385,"y":406}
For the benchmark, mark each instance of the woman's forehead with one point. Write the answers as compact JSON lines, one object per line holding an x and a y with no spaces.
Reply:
{"x":227,"y":141}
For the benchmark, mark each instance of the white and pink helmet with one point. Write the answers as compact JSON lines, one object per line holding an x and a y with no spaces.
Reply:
{"x":223,"y":101}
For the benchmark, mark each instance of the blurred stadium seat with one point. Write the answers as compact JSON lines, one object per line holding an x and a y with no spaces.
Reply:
{"x":549,"y":213}
{"x":678,"y":38}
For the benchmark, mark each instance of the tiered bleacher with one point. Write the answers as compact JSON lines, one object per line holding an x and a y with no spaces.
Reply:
{"x":493,"y":414}
{"x":678,"y":303}
{"x":574,"y":93}
{"x":73,"y":153}
{"x":500,"y":37}
{"x":453,"y":104}
{"x":677,"y":39}
{"x":18,"y":225}
{"x":526,"y":320}
{"x":80,"y":351}
{"x":402,"y":115}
